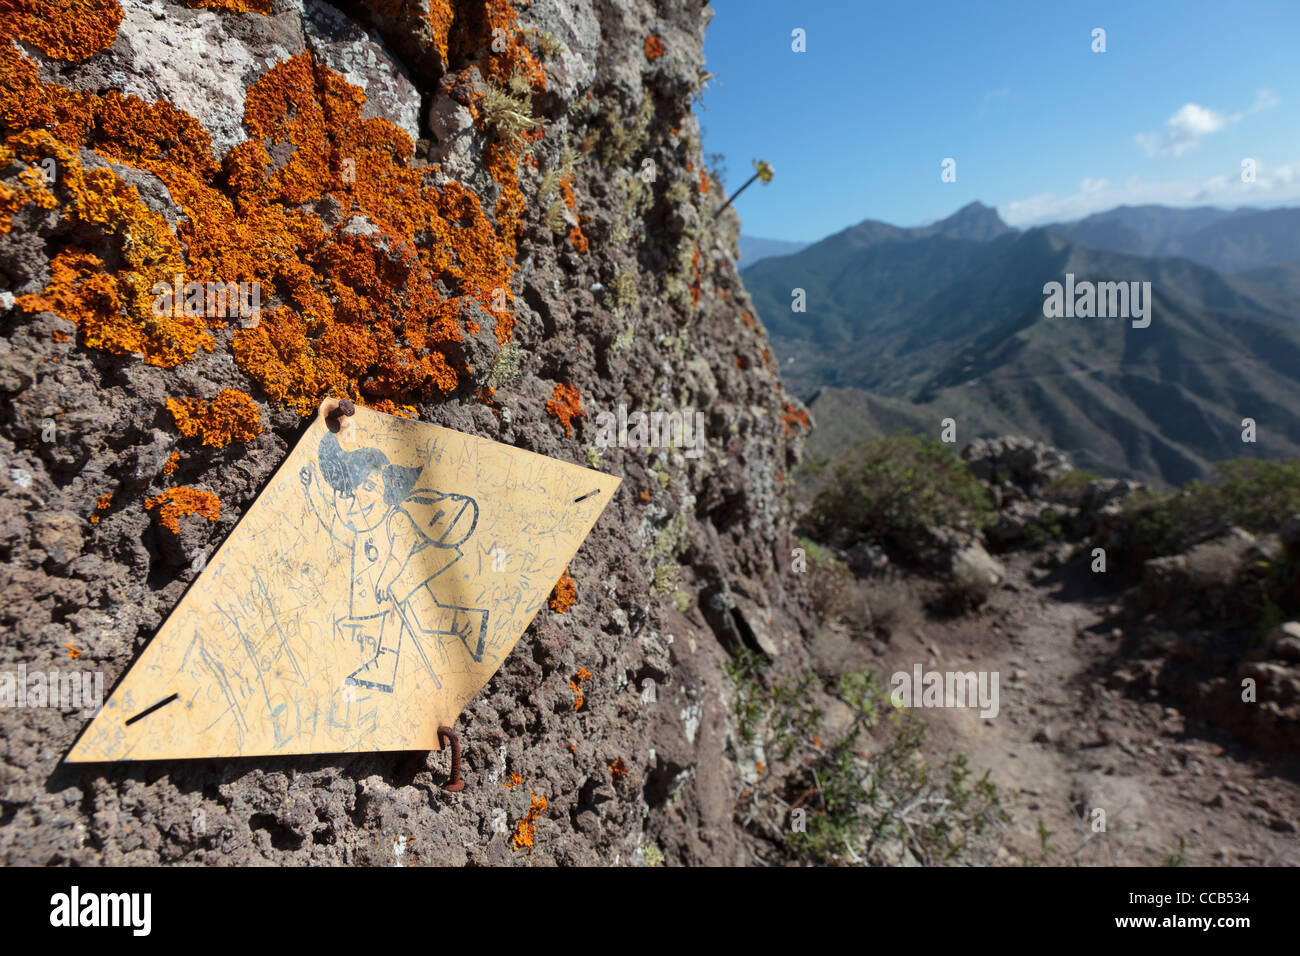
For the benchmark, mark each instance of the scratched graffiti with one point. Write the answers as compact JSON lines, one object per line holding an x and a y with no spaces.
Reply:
{"x":370,"y":591}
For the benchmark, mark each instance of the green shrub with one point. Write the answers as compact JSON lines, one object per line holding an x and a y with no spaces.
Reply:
{"x":1069,"y":488}
{"x":888,"y":491}
{"x":1252,"y":493}
{"x":935,"y":810}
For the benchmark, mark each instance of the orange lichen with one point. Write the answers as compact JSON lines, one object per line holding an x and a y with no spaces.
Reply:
{"x":577,"y":239}
{"x":515,"y":59}
{"x":566,"y":192}
{"x":31,"y":189}
{"x":575,"y":685}
{"x":102,"y":503}
{"x":526,"y":829}
{"x":565,"y":404}
{"x":178,"y":502}
{"x":793,"y":419}
{"x":696,"y":285}
{"x":173,"y":461}
{"x":704,"y":181}
{"x":645,"y":495}
{"x":64,"y":29}
{"x":654,"y":47}
{"x":563,"y":594}
{"x":360,"y":316}
{"x":514,"y":781}
{"x":72,"y":651}
{"x":617,"y":768}
{"x":114,"y":312}
{"x":232,"y":416}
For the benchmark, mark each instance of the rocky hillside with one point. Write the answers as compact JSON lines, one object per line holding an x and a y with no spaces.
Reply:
{"x":487,"y":215}
{"x":1147,"y":645}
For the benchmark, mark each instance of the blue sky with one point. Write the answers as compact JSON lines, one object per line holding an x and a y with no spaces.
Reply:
{"x":1040,"y":126}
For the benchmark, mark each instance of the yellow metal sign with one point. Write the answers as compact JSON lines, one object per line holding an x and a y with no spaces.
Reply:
{"x":371,"y":590}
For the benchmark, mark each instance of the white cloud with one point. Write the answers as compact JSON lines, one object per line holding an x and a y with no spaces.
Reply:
{"x":1194,"y":122}
{"x":1274,"y":185}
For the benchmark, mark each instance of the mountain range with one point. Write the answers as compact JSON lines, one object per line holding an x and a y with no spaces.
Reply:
{"x":908,"y":326}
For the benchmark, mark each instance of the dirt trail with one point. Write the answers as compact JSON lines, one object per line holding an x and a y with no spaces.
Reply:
{"x":1064,"y":743}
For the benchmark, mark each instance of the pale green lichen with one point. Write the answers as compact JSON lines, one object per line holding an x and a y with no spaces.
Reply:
{"x":547,"y":45}
{"x":661,"y":473}
{"x":556,"y":220}
{"x":670,"y":539}
{"x":625,"y":337}
{"x":506,"y":367}
{"x":625,"y":141}
{"x":624,"y":290}
{"x":664,"y":580}
{"x":551,"y":179}
{"x":595,"y":456}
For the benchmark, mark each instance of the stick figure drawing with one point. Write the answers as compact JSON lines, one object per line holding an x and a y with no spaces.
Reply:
{"x":403,"y":541}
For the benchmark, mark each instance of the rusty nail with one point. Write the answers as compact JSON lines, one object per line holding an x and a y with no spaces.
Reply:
{"x":345,"y":408}
{"x":455,"y":784}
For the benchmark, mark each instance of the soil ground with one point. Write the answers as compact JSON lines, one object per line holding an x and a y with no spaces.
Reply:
{"x":1174,"y":789}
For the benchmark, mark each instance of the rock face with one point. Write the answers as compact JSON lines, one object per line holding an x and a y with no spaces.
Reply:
{"x":462,"y":212}
{"x":1015,"y":462}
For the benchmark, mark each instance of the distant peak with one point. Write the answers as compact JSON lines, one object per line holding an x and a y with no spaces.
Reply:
{"x":972,"y":221}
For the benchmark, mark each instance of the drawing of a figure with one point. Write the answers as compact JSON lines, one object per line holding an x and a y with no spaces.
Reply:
{"x":402,"y":541}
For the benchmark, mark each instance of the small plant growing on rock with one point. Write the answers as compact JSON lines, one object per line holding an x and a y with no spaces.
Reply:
{"x":762,"y":171}
{"x":507,"y":113}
